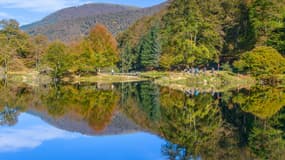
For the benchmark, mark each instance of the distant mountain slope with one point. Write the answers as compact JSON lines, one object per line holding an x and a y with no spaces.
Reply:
{"x":72,"y":23}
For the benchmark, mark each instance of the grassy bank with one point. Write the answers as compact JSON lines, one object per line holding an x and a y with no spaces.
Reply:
{"x":32,"y":78}
{"x":219,"y":81}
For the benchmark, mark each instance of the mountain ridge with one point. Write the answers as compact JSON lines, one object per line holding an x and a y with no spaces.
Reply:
{"x":71,"y":23}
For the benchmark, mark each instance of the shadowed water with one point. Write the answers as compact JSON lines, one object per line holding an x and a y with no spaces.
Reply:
{"x":140,"y":121}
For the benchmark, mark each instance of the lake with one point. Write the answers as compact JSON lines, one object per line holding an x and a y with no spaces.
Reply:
{"x":140,"y":121}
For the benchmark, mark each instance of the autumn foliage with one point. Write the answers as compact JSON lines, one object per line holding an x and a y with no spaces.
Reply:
{"x":97,"y":50}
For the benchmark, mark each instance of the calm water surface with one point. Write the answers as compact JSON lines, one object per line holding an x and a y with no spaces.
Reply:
{"x":140,"y":121}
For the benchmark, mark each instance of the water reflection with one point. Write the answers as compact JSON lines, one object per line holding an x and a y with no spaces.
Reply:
{"x":30,"y":136}
{"x":241,"y":124}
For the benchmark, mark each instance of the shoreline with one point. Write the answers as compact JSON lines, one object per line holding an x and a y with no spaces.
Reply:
{"x":206,"y":82}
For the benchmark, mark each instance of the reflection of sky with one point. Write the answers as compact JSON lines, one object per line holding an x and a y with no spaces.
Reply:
{"x":32,"y":138}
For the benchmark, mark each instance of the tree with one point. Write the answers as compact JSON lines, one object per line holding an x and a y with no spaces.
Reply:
{"x":128,"y":60}
{"x":265,"y":16}
{"x":277,"y":39}
{"x":261,"y":61}
{"x":188,"y":31}
{"x":40,"y":43}
{"x":98,"y":49}
{"x":149,"y":50}
{"x":58,"y":59}
{"x":16,"y":47}
{"x":8,"y":42}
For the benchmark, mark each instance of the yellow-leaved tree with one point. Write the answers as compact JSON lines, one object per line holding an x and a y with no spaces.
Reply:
{"x":97,"y":50}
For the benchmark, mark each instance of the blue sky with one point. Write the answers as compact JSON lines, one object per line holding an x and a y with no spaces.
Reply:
{"x":28,"y":11}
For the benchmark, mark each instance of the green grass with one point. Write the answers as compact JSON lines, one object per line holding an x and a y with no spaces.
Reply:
{"x":153,"y":74}
{"x":220,"y":81}
{"x":31,"y":78}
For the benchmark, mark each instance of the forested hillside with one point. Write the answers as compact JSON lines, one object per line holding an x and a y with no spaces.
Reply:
{"x":196,"y":33}
{"x":72,"y":23}
{"x":238,"y":36}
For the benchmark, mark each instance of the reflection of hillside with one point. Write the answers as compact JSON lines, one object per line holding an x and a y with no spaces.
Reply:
{"x":120,"y":124}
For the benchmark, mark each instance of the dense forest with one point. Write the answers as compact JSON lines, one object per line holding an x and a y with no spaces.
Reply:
{"x":206,"y":33}
{"x":241,"y":36}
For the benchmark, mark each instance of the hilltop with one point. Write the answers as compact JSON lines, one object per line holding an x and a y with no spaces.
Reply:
{"x":69,"y":24}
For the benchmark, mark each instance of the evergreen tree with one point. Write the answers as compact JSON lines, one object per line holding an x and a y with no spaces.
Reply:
{"x":128,"y":60}
{"x":277,"y":39}
{"x":149,"y":50}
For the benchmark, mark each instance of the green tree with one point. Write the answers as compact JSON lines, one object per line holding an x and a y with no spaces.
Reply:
{"x":277,"y":39}
{"x":188,"y":32}
{"x":128,"y":60}
{"x":266,"y":143}
{"x":266,"y":16}
{"x":261,"y":61}
{"x":149,"y":50}
{"x":58,"y":59}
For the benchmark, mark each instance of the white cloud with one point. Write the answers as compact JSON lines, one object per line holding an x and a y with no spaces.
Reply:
{"x":4,"y":15}
{"x":39,"y":5}
{"x":28,"y":138}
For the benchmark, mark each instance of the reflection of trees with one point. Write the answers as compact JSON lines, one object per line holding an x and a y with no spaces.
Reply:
{"x":262,"y":102}
{"x":267,"y":143}
{"x":13,"y":100}
{"x":93,"y":105}
{"x":90,"y":104}
{"x":9,"y":116}
{"x":140,"y":101}
{"x":148,"y":98}
{"x":209,"y":128}
{"x":195,"y":124}
{"x":250,"y":124}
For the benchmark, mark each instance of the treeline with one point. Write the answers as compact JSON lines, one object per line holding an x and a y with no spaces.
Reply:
{"x":208,"y":33}
{"x":20,"y":52}
{"x":242,"y":36}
